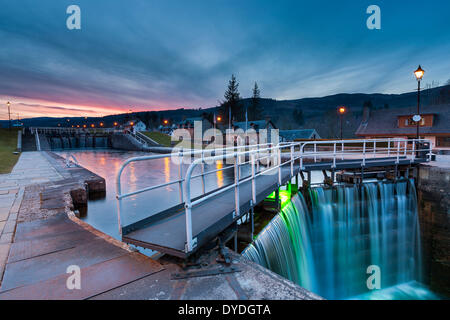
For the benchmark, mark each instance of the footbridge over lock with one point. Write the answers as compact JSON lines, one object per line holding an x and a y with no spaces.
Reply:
{"x":200,"y":216}
{"x":66,"y":138}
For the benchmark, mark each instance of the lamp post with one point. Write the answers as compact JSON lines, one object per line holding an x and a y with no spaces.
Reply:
{"x":417,"y":118}
{"x":216,"y":119}
{"x":341,"y":111}
{"x":8,"y":104}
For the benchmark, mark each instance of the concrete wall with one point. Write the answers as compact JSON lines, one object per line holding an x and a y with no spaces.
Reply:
{"x":125,"y":142}
{"x":433,"y":187}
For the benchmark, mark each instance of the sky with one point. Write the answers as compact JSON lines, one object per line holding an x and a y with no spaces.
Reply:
{"x":167,"y":54}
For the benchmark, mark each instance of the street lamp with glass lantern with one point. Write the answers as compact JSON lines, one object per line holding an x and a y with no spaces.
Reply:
{"x":417,"y":118}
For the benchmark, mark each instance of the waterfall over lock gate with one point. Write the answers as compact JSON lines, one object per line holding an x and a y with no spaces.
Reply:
{"x":326,"y":238}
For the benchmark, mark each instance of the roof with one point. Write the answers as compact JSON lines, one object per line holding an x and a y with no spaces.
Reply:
{"x":255,"y":124}
{"x":385,"y":121}
{"x":297,"y":134}
{"x":190,"y":120}
{"x":135,"y":122}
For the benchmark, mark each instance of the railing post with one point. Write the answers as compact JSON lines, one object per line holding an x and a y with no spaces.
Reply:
{"x":301,"y":157}
{"x":236,"y":187}
{"x":406,"y":147}
{"x":342,"y":151}
{"x":203,"y":175}
{"x":239,"y":160}
{"x":398,"y":151}
{"x":292,"y":161}
{"x":315,"y":152}
{"x":279,"y":165}
{"x":374,"y":148}
{"x":334,"y":155}
{"x":188,"y":228}
{"x":413,"y":154}
{"x":180,"y":175}
{"x":188,"y":212}
{"x":252,"y":160}
{"x":257,"y":158}
{"x":364,"y":153}
{"x":430,"y":151}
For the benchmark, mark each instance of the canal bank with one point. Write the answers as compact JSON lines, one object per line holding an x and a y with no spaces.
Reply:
{"x":49,"y":238}
{"x":31,"y":168}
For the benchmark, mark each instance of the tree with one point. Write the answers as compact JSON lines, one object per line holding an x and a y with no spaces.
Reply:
{"x":255,"y":111}
{"x":386,"y":106}
{"x":232,"y":101}
{"x":297,"y":115}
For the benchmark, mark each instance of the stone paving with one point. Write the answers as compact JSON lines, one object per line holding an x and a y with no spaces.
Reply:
{"x":31,"y":168}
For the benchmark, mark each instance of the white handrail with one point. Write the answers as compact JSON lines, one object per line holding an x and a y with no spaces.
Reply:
{"x":295,"y":151}
{"x":38,"y":142}
{"x":189,"y":204}
{"x":182,"y":153}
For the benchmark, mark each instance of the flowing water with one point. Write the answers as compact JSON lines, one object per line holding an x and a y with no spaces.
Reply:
{"x":64,"y":143}
{"x":331,"y":240}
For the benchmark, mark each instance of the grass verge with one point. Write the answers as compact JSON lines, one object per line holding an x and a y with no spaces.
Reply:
{"x":8,"y":144}
{"x":159,"y":137}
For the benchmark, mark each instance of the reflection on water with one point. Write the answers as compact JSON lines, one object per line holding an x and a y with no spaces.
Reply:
{"x":167,"y":169}
{"x":219,"y":165}
{"x":102,"y":213}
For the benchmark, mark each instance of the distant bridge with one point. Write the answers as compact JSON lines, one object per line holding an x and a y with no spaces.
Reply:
{"x":47,"y":138}
{"x":184,"y":228}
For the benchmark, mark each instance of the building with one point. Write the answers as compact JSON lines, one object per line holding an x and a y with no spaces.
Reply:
{"x":189,"y":124}
{"x":135,"y":125}
{"x":167,"y":129}
{"x":398,"y":123}
{"x":300,"y":134}
{"x":257,"y":126}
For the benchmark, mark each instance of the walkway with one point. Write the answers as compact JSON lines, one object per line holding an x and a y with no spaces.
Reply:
{"x":31,"y":168}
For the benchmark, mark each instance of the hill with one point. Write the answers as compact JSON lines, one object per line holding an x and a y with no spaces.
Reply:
{"x":318,"y":113}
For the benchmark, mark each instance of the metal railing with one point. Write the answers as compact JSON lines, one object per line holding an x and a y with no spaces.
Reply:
{"x":38,"y":142}
{"x":176,"y":153}
{"x":139,"y":137}
{"x":71,"y":161}
{"x":270,"y":159}
{"x":149,"y":141}
{"x":368,"y":148}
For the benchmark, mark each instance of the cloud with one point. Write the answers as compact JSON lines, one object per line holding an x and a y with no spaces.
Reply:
{"x":161,"y":55}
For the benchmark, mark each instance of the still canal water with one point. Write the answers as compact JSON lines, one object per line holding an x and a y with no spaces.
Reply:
{"x":102,"y":212}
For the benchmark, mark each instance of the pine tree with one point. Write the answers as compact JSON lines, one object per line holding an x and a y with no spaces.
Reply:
{"x":232,"y":101}
{"x":255,"y":110}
